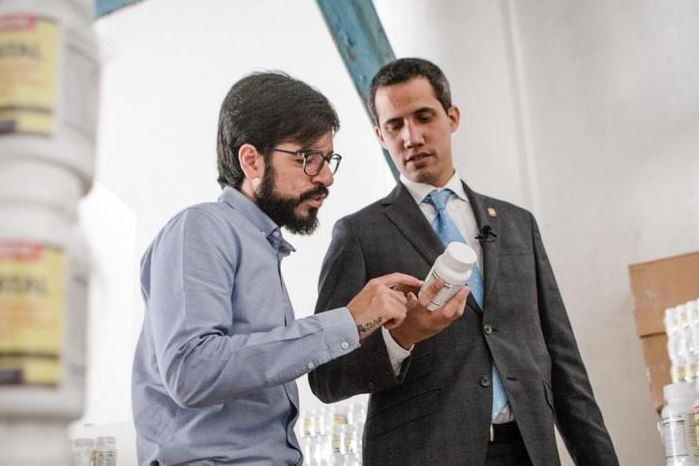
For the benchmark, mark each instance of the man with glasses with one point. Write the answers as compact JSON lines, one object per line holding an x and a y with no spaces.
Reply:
{"x":214,"y":370}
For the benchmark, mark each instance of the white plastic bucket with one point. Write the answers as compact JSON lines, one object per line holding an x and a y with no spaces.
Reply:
{"x":32,"y":181}
{"x":50,"y":74}
{"x":43,"y":308}
{"x":30,"y":444}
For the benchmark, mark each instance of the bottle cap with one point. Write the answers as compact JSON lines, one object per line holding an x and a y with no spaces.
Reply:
{"x":84,"y":442}
{"x":679,"y":390}
{"x":106,"y":441}
{"x":460,"y":256}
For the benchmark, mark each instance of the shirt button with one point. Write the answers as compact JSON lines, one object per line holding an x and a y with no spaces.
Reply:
{"x":485,"y":381}
{"x":344,"y":345}
{"x":311,"y":366}
{"x":487,"y":329}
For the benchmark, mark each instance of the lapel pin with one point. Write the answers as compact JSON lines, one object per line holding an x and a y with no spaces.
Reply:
{"x":491,"y":212}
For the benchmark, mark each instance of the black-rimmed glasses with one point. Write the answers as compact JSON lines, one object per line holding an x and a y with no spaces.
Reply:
{"x":313,"y":160}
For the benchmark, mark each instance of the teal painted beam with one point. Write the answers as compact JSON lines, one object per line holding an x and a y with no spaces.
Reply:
{"x":362,"y":43}
{"x":103,"y":7}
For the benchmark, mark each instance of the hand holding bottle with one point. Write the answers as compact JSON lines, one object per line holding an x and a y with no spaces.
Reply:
{"x":381,"y":303}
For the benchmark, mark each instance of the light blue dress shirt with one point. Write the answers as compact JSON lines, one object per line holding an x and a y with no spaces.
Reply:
{"x":214,"y":369}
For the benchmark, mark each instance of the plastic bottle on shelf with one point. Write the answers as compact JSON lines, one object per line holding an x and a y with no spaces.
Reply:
{"x":83,"y":450}
{"x":677,"y":424}
{"x":105,"y":451}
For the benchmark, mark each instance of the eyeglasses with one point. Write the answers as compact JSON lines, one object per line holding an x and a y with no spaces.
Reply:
{"x":313,"y":160}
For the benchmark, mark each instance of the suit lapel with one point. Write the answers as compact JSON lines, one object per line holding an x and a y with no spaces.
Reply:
{"x":486,"y":215}
{"x":404,"y":213}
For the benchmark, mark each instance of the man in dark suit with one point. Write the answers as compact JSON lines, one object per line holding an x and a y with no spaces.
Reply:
{"x":480,"y":387}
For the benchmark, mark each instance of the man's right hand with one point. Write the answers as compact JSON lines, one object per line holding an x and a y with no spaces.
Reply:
{"x":381,"y":303}
{"x":421,"y":323}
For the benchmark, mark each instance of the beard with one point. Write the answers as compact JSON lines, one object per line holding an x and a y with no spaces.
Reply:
{"x":282,"y":209}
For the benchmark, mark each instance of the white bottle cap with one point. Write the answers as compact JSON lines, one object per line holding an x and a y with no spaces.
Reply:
{"x":679,"y":390}
{"x":460,"y":256}
{"x":106,"y":441}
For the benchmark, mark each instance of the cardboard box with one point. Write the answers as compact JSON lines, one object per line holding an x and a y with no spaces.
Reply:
{"x":656,"y":286}
{"x":660,"y":284}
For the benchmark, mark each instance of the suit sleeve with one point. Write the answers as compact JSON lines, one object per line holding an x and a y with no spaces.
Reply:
{"x":578,"y":417}
{"x":367,"y":369}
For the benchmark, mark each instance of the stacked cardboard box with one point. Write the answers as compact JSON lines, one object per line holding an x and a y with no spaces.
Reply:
{"x":657,"y":285}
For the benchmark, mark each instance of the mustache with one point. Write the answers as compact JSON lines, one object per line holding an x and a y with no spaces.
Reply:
{"x":319,"y":190}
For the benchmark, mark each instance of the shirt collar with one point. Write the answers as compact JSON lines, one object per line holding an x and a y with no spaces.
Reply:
{"x":257,"y":217}
{"x":420,"y":190}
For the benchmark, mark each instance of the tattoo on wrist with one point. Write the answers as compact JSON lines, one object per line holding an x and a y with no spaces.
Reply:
{"x":367,"y":329}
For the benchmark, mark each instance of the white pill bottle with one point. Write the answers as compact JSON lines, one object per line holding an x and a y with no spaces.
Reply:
{"x":677,"y":424}
{"x":453,"y":266}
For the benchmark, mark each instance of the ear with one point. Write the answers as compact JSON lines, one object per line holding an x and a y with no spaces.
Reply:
{"x":454,"y":117}
{"x":251,"y":162}
{"x":379,"y":136}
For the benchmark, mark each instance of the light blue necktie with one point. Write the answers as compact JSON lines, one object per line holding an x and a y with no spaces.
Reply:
{"x":447,"y":232}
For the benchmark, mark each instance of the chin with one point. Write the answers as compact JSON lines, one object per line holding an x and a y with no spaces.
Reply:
{"x":307,"y":215}
{"x":422,"y":176}
{"x":303,"y":214}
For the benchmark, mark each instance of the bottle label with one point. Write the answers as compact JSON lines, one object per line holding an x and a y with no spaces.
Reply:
{"x":105,"y":458}
{"x":337,"y":440}
{"x":339,"y":419}
{"x":28,"y":74}
{"x":441,"y":298}
{"x":679,"y":436}
{"x":32,"y":300}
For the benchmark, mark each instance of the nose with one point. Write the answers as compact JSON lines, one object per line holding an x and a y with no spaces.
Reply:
{"x":412,"y":136}
{"x":324,"y":176}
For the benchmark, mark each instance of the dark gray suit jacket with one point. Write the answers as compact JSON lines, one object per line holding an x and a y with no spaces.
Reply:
{"x":437,"y":411}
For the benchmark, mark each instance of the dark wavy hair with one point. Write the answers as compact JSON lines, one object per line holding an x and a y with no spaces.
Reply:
{"x":405,"y":69}
{"x":265,"y":109}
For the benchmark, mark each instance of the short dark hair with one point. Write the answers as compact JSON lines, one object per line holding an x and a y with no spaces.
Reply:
{"x":265,"y":109}
{"x":405,"y":69}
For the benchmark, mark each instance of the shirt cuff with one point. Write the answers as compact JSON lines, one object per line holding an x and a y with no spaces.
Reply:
{"x":396,"y":353}
{"x":340,"y":331}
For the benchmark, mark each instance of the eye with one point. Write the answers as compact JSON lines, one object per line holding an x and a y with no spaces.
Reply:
{"x":424,"y":117}
{"x":393,"y":125}
{"x":314,"y":162}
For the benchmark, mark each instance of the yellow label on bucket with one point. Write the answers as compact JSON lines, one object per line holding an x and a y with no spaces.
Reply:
{"x":28,"y":74}
{"x":32,"y":304}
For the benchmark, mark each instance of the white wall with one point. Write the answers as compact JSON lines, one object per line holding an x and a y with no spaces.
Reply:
{"x":468,"y":40}
{"x":613,"y":92}
{"x":584,"y":112}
